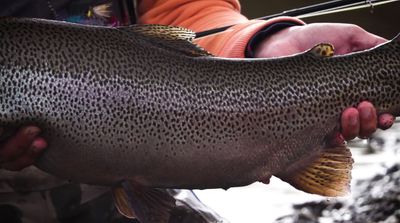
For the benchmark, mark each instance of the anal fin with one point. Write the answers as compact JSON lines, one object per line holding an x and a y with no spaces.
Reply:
{"x":328,"y":175}
{"x":121,"y":201}
{"x":148,"y":205}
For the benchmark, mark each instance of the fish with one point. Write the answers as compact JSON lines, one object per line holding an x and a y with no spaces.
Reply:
{"x":141,"y":109}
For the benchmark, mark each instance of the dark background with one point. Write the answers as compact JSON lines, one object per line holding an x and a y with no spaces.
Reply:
{"x":384,"y":21}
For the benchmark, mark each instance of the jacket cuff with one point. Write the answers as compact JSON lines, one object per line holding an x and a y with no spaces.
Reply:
{"x":232,"y":43}
{"x":265,"y":32}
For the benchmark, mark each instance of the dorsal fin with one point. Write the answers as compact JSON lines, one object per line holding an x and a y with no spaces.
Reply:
{"x":161,"y":31}
{"x":168,"y":37}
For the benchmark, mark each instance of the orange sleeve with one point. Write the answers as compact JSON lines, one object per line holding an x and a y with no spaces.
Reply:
{"x":202,"y":15}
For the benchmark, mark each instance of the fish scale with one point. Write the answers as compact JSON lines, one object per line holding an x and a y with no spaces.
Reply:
{"x":131,"y":104}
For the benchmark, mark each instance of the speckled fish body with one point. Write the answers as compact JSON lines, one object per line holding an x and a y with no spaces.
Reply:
{"x":114,"y":104}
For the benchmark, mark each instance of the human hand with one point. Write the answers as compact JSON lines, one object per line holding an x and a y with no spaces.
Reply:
{"x":22,"y":149}
{"x":363,"y":121}
{"x":345,"y":38}
{"x":355,"y":122}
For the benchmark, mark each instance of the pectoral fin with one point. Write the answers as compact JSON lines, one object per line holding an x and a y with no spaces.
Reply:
{"x":328,"y":175}
{"x":121,"y":201}
{"x":148,"y":205}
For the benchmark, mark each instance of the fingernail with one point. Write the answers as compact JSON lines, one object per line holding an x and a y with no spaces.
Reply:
{"x":353,"y":121}
{"x":368,"y":113}
{"x":385,"y":121}
{"x":38,"y":145}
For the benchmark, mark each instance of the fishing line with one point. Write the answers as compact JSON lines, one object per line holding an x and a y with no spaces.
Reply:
{"x":344,"y":9}
{"x":312,"y":10}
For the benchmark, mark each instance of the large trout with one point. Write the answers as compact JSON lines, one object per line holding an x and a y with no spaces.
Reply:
{"x":143,"y":104}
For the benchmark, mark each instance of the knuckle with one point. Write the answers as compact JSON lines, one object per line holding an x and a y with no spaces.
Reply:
{"x":365,"y":104}
{"x":356,"y":29}
{"x":30,"y":131}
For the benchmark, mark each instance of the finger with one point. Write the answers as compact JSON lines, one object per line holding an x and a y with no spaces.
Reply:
{"x":385,"y":121}
{"x":350,"y":123}
{"x":363,"y":40}
{"x":368,"y":119}
{"x":28,"y":158}
{"x":18,"y":144}
{"x":336,"y":139}
{"x":354,"y":38}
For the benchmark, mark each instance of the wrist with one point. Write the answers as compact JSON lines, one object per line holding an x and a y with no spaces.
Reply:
{"x":258,"y":40}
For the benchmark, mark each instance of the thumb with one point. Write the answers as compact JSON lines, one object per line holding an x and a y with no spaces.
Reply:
{"x":361,"y":40}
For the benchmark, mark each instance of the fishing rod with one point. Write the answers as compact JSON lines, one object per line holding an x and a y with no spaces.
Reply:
{"x":312,"y":10}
